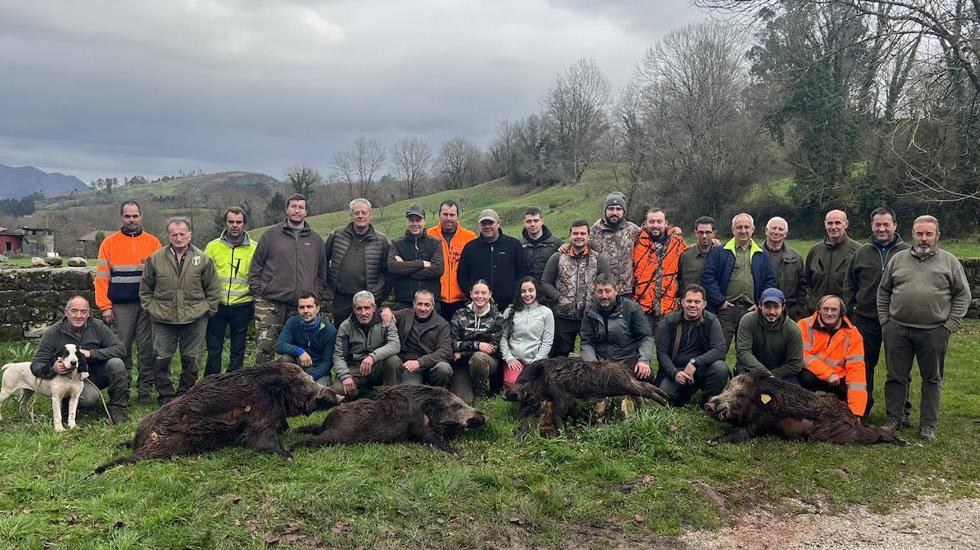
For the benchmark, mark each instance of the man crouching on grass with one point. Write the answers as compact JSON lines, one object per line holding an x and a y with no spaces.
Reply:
{"x":103,"y":352}
{"x":363,"y":344}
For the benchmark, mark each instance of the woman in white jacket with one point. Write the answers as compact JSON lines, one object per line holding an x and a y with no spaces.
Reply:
{"x":529,"y":330}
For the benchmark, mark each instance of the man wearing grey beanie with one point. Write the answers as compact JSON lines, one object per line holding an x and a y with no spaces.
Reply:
{"x":613,"y":235}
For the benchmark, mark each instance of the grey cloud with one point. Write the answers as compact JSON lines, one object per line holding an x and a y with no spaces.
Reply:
{"x":110,"y":88}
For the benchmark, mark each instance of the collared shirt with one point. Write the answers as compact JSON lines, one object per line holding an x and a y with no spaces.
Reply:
{"x":741,"y":290}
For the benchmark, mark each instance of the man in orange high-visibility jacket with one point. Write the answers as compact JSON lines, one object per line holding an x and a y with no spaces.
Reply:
{"x":833,"y":354}
{"x":117,"y":284}
{"x":453,"y":237}
{"x":656,"y":260}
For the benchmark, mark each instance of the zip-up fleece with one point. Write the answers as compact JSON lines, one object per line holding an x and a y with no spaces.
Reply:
{"x":501,"y":264}
{"x":530,"y":334}
{"x":409,"y":275}
{"x":287,"y":263}
{"x":826,"y":269}
{"x":864,"y":274}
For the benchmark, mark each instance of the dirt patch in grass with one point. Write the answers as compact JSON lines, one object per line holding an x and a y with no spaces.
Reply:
{"x":923,"y":525}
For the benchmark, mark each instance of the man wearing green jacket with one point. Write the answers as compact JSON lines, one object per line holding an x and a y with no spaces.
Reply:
{"x":826,"y":262}
{"x":768,"y":340}
{"x":180,"y":291}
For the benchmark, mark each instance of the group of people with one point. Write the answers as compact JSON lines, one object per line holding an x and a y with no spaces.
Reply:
{"x":469,"y":311}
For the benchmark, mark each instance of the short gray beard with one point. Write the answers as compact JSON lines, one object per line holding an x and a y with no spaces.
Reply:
{"x":924,"y":250}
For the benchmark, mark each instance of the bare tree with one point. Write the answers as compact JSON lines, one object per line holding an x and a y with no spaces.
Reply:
{"x":411,"y":157}
{"x":360,"y":165}
{"x":459,"y":162}
{"x":574,"y":108}
{"x":685,"y":121}
{"x":303,"y":179}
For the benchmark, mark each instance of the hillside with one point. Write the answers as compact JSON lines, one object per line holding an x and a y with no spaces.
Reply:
{"x":202,"y":185}
{"x":561,"y":205}
{"x":20,"y":181}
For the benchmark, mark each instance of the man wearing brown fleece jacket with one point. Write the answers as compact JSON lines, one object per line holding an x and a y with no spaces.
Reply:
{"x":922,"y":298}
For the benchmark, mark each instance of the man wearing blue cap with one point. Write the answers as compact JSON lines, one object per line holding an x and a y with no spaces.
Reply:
{"x":768,"y":340}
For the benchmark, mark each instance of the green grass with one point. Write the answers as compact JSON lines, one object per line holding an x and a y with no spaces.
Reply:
{"x":959,"y":248}
{"x":506,"y":485}
{"x":560,"y":206}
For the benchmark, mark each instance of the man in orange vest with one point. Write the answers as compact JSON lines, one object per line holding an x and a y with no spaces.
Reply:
{"x":833,"y":354}
{"x":656,"y":259}
{"x":122,"y":256}
{"x":453,"y":237}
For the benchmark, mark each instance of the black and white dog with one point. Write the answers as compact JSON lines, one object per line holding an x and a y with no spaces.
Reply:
{"x":18,"y":376}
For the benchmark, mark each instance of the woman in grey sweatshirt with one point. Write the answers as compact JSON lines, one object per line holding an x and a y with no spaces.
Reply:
{"x":529,"y":330}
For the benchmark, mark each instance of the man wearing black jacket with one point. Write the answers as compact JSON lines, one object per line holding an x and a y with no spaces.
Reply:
{"x":415,"y":262}
{"x":495,"y":258}
{"x":691,"y":351}
{"x":861,"y":288}
{"x":538,"y":242}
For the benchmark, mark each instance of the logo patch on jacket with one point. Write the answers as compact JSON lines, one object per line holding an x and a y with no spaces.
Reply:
{"x":196,"y":260}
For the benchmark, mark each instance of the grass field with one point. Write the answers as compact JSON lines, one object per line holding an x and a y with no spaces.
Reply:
{"x":505,"y":487}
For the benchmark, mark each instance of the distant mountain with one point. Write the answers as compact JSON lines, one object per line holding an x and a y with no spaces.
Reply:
{"x":17,"y":182}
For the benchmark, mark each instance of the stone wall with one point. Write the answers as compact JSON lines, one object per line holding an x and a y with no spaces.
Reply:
{"x":972,"y":267}
{"x":31,"y":299}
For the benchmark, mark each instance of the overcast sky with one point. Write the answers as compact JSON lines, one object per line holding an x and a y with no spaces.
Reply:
{"x":95,"y":88}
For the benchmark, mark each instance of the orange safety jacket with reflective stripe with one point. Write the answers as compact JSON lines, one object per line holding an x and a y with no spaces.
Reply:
{"x":449,"y":290}
{"x":120,"y":268}
{"x":656,"y":275}
{"x":841,"y":354}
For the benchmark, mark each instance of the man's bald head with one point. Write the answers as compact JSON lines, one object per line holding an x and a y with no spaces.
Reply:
{"x":835,"y":223}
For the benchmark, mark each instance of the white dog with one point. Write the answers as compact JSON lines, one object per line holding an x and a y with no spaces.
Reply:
{"x":18,"y":376}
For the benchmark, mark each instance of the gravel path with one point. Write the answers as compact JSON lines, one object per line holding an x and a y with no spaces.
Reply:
{"x":925,"y":525}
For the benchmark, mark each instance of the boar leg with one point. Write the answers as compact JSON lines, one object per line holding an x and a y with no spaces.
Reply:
{"x":736,"y":436}
{"x":266,"y":441}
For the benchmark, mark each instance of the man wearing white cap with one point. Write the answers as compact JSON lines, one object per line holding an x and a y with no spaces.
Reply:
{"x":494,"y":257}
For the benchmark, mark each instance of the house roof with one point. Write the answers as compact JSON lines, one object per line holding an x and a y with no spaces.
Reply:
{"x":90,"y":237}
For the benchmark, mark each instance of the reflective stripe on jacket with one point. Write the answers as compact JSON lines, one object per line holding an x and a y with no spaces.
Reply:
{"x":120,"y":267}
{"x":231,"y":263}
{"x":841,"y":354}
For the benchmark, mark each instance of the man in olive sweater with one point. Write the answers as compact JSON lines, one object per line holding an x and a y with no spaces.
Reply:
{"x":768,"y":340}
{"x":922,"y":298}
